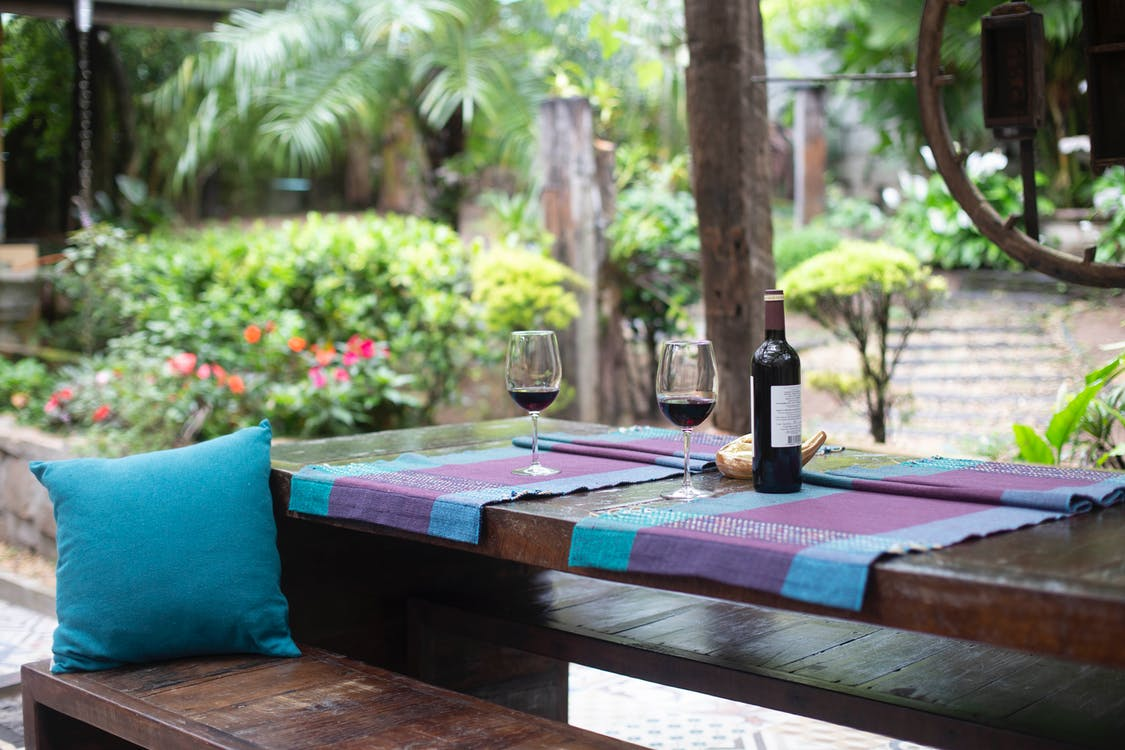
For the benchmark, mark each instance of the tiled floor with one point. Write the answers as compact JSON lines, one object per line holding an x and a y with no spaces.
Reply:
{"x":665,"y":718}
{"x":651,"y":715}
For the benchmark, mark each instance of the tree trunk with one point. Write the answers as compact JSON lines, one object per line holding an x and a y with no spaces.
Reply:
{"x":729,"y":131}
{"x":572,"y":212}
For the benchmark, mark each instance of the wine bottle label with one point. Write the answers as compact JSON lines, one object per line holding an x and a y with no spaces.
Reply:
{"x":785,"y":416}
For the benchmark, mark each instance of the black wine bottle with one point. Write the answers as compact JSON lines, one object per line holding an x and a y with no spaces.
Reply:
{"x":775,"y":405}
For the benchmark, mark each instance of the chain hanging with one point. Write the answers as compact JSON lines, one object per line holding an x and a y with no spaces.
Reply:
{"x":85,"y":197}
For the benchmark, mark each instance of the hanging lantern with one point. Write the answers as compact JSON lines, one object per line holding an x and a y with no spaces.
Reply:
{"x":1105,"y":57}
{"x":1012,"y":70}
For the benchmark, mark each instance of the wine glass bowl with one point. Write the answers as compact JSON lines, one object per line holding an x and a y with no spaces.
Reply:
{"x":685,"y":393}
{"x":533,"y":373}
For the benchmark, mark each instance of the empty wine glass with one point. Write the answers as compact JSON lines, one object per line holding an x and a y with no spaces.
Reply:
{"x":685,"y":391}
{"x":533,"y":373}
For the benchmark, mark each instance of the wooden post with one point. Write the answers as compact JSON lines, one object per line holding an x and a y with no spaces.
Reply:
{"x":572,"y":212}
{"x":729,"y":130}
{"x":810,"y":156}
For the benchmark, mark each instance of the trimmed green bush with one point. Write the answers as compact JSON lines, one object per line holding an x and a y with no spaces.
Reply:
{"x":851,"y":291}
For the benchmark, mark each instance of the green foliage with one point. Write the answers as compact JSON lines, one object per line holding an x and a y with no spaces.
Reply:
{"x":851,"y":291}
{"x":1089,"y":426}
{"x":931,"y":223}
{"x":795,"y":246}
{"x":330,"y":325}
{"x":1109,"y":205}
{"x":524,"y":290}
{"x":23,"y":382}
{"x":654,"y":250}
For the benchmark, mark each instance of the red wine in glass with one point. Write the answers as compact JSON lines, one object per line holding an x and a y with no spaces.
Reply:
{"x":686,"y":411}
{"x":533,"y":374}
{"x":685,"y":392}
{"x":534,"y":399}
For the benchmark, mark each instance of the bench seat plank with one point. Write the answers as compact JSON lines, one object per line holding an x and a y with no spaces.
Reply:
{"x":247,"y":702}
{"x":925,"y":688}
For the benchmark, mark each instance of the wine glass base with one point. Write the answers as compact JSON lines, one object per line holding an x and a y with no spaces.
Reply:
{"x":535,"y":470}
{"x":686,"y":493}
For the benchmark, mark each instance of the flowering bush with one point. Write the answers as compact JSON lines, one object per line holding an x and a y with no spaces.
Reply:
{"x":928,"y":220}
{"x":328,"y":325}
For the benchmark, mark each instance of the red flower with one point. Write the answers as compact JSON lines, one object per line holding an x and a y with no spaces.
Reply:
{"x":316,"y":375}
{"x":183,"y":363}
{"x":219,"y":373}
{"x":252,"y":334}
{"x":64,"y":394}
{"x":51,"y":406}
{"x":101,"y":413}
{"x":237,"y":387}
{"x":297,"y":344}
{"x":324,"y":354}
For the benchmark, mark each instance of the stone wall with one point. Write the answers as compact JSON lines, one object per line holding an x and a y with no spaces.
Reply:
{"x":26,"y":517}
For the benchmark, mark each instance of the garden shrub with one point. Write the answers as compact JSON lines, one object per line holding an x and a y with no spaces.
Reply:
{"x":929,"y":222}
{"x":852,"y":291}
{"x":1109,"y":205}
{"x":1088,"y":428}
{"x":330,"y":325}
{"x":795,"y":246}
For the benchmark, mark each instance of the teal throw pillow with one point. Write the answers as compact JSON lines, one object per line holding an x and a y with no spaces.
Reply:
{"x":167,"y":554}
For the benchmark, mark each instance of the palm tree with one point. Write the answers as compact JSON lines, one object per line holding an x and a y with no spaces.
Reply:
{"x":425,"y":83}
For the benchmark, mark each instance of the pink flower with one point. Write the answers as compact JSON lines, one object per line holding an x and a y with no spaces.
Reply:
{"x":183,"y":363}
{"x":51,"y":406}
{"x":101,"y":413}
{"x":316,"y":375}
{"x":350,"y":358}
{"x":203,"y":372}
{"x":367,"y":349}
{"x":219,"y":373}
{"x":64,"y":394}
{"x":342,"y":375}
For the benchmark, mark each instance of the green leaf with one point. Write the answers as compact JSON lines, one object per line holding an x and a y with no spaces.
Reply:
{"x":1033,"y":448}
{"x":1118,"y":451}
{"x":1065,"y":422}
{"x":1111,"y":370}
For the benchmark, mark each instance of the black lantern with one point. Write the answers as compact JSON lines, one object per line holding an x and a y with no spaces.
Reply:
{"x":1012,"y":70}
{"x":1015,"y":85}
{"x":1104,"y":22}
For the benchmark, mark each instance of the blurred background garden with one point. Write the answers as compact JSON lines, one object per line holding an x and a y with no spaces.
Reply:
{"x":329,"y":213}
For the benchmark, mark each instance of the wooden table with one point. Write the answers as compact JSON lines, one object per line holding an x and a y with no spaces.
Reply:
{"x":1055,"y":590}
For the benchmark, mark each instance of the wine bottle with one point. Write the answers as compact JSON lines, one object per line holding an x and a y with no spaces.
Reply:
{"x":775,"y":405}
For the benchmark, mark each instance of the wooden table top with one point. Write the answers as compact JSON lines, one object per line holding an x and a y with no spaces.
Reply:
{"x":1056,"y":589}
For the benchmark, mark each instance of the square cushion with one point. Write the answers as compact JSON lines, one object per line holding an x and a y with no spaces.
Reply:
{"x":167,"y":554}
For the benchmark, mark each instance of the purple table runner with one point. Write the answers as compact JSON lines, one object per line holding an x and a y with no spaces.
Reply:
{"x":818,"y":544}
{"x":444,"y":495}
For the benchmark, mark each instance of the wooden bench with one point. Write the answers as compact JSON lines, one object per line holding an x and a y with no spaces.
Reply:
{"x":318,"y":700}
{"x":932,"y":690}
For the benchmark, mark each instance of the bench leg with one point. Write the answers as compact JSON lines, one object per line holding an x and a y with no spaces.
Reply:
{"x":47,"y":729}
{"x":440,"y":655}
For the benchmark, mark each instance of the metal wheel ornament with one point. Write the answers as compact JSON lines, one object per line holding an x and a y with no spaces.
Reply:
{"x":1004,"y":232}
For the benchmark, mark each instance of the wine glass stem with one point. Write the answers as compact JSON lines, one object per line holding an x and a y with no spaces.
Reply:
{"x":534,"y":438}
{"x":687,"y":458}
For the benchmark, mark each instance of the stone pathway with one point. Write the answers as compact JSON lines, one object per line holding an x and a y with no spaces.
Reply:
{"x":984,"y":359}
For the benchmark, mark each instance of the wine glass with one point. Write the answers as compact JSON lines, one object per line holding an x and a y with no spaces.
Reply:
{"x":533,"y":373}
{"x":685,"y":391}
